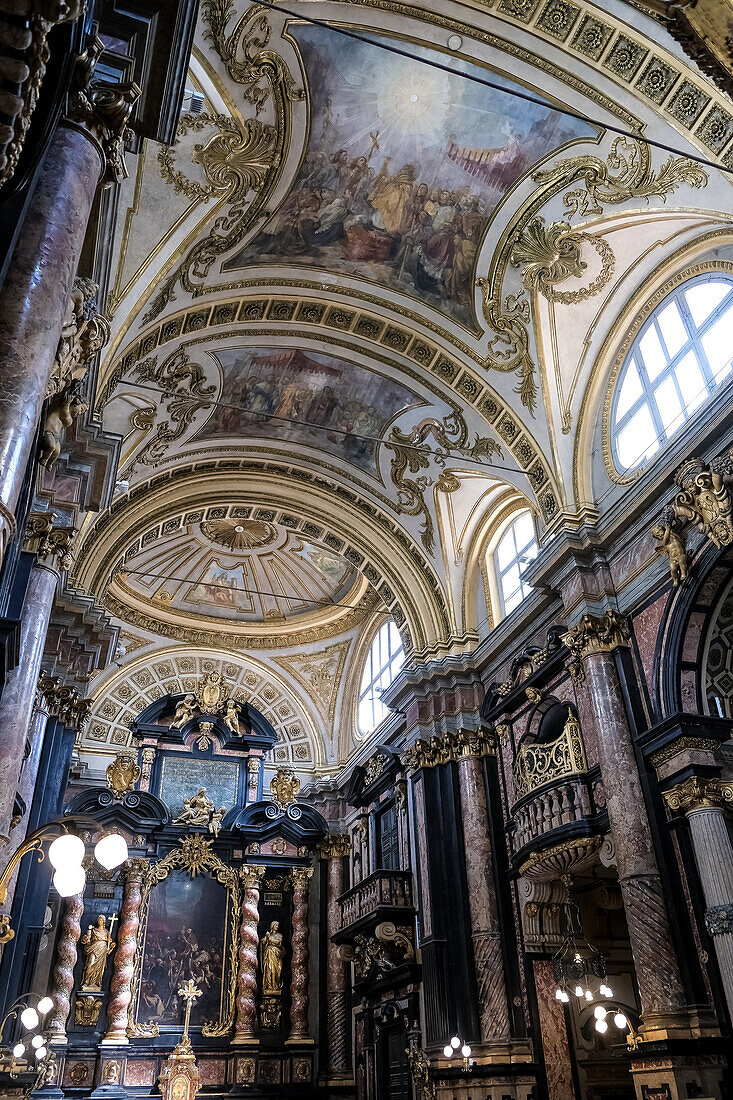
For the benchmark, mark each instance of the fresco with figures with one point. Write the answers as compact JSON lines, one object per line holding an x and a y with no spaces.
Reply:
{"x":184,"y":938}
{"x":401,"y":175}
{"x":305,"y":398}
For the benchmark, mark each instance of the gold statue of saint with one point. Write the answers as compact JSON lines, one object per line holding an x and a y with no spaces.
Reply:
{"x":98,"y":944}
{"x":271,"y":950}
{"x":197,"y":810}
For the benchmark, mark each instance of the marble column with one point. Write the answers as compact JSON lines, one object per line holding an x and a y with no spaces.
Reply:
{"x":27,"y":782}
{"x":36,"y":293}
{"x":482,"y":903}
{"x":594,"y":640}
{"x":246,"y":1021}
{"x":62,"y":976}
{"x":703,"y":802}
{"x":300,"y":958}
{"x":334,"y":849}
{"x":16,"y":704}
{"x":123,"y":964}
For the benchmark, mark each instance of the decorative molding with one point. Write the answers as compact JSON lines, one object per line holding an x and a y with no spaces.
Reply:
{"x":682,"y":744}
{"x":551,"y":254}
{"x":47,"y":541}
{"x":597,"y":634}
{"x":412,"y":453}
{"x":334,"y":846}
{"x":447,"y":749}
{"x":103,"y":111}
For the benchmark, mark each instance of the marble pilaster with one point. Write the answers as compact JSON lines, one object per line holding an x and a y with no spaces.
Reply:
{"x":300,"y":957}
{"x":62,"y":976}
{"x":485,"y":934}
{"x":703,"y":802}
{"x":658,"y":978}
{"x":246,"y":1021}
{"x":120,"y":992}
{"x":334,"y":849}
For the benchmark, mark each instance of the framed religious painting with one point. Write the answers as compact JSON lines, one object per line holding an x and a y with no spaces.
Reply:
{"x":188,"y":930}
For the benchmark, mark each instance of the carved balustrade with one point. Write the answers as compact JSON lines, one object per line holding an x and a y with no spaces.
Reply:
{"x":555,"y":806}
{"x":366,"y":902}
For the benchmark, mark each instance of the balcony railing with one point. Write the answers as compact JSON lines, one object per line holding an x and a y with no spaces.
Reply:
{"x":538,"y":765}
{"x":380,"y":890}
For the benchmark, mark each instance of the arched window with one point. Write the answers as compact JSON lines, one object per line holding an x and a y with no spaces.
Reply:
{"x":385,"y":659}
{"x":514,"y":551}
{"x":680,"y":356}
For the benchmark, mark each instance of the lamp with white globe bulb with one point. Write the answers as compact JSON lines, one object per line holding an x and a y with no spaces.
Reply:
{"x":70,"y":881}
{"x":66,"y":851}
{"x":29,"y":1018}
{"x":111,"y":851}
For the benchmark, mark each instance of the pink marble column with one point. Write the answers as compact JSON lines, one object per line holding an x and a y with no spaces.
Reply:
{"x":16,"y":703}
{"x":300,"y":974}
{"x":35,"y":298}
{"x":62,"y":977}
{"x":123,"y":964}
{"x":27,"y":783}
{"x":487,"y":953}
{"x":246,"y":1022}
{"x":655,"y":960}
{"x":334,"y":849}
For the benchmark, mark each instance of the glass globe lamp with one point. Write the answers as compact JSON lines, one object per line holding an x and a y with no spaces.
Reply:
{"x":70,"y":881}
{"x":111,"y":851}
{"x":66,"y":851}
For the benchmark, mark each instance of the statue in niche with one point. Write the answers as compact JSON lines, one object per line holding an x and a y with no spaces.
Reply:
{"x":185,"y":710}
{"x":98,"y":944}
{"x":271,"y":960}
{"x":197,"y":810}
{"x":62,"y":411}
{"x":231,"y":717}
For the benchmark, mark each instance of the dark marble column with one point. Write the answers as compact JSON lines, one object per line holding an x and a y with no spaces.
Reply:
{"x":300,"y":972}
{"x":655,"y":959}
{"x":36,"y":293}
{"x":16,"y":704}
{"x":334,"y":849}
{"x":120,"y":994}
{"x":485,"y":934}
{"x":62,"y":978}
{"x":246,"y":1022}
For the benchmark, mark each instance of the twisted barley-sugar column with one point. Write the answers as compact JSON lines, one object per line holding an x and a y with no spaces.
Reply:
{"x":655,"y":960}
{"x":333,"y":850}
{"x":120,"y":994}
{"x":482,"y":903}
{"x":62,"y":978}
{"x":246,"y":1022}
{"x":300,"y":957}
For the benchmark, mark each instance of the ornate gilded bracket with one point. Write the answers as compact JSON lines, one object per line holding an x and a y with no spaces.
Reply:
{"x":704,"y":502}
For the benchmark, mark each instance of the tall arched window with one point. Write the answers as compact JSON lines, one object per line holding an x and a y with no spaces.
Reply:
{"x":514,"y":551}
{"x":384,"y":660}
{"x":680,"y":356}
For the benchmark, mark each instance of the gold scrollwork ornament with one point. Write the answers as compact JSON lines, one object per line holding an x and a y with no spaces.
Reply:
{"x":551,"y":254}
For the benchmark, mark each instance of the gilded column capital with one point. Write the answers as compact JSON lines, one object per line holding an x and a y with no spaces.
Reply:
{"x":474,"y":743}
{"x":597,"y":634}
{"x":102,"y":111}
{"x":64,"y":702}
{"x":300,"y":877}
{"x":448,"y":749}
{"x":50,"y":544}
{"x":252,"y":875}
{"x":335,"y":846}
{"x":697,"y":793}
{"x":136,"y":868}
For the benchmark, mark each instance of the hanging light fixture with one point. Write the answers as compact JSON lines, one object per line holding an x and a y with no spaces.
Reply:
{"x":577,"y":963}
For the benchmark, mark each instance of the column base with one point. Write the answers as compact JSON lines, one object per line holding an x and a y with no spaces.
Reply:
{"x":58,"y":1040}
{"x":245,"y":1041}
{"x":109,"y":1092}
{"x":115,"y":1041}
{"x":47,"y":1092}
{"x":299,"y":1041}
{"x":502,"y":1052}
{"x":679,"y":1025}
{"x":676,"y":1077}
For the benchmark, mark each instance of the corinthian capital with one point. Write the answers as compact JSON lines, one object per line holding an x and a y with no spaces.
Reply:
{"x":50,"y":544}
{"x":697,"y":793}
{"x":252,"y":875}
{"x":335,"y":847}
{"x":300,"y":877}
{"x":103,"y":111}
{"x":597,"y":634}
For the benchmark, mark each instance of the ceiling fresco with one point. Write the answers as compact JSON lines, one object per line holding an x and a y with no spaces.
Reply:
{"x":401,"y":175}
{"x":304,"y":398}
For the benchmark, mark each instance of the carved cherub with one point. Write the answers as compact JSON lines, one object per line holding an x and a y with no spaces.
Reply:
{"x":231,"y":717}
{"x":62,"y":411}
{"x":215,"y":821}
{"x":184,"y":710}
{"x":672,"y":544}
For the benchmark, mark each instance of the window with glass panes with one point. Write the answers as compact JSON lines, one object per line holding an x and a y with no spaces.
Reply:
{"x":680,"y":357}
{"x":386,"y":658}
{"x":514,"y":551}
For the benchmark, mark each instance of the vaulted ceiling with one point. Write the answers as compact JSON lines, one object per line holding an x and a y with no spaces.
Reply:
{"x":370,"y":302}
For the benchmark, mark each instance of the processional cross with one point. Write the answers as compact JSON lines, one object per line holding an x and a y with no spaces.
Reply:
{"x":190,"y":993}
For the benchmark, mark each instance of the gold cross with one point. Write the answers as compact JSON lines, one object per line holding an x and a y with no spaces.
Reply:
{"x":112,"y":920}
{"x":190,"y":993}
